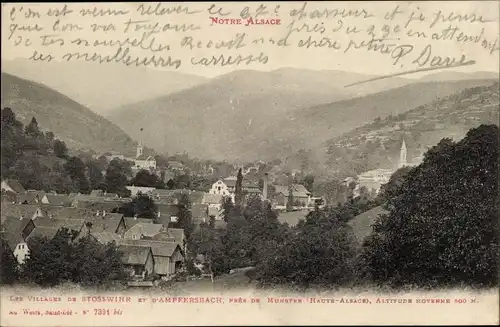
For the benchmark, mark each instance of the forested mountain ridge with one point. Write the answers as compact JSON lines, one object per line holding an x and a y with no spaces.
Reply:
{"x":75,"y":124}
{"x":377,"y":145}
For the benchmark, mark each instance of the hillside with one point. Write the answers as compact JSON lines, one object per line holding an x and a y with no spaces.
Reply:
{"x":226,"y":110}
{"x":336,"y":118}
{"x":250,"y":115}
{"x":75,"y":124}
{"x":102,"y":87}
{"x":376,"y":145}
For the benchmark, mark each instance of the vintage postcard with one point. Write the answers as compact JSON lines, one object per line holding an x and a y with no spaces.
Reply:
{"x":250,"y":163}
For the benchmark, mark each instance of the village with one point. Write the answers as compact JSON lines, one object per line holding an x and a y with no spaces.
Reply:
{"x":148,"y":246}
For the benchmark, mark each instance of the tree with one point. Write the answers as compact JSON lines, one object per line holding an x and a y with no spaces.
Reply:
{"x":9,"y":267}
{"x":50,"y":261}
{"x":76,"y":170}
{"x":289,"y":202}
{"x":442,"y":223}
{"x":147,"y":179}
{"x":12,"y":140}
{"x":98,"y":264}
{"x":227,"y":208}
{"x":185,"y":218}
{"x":32,"y":129}
{"x":181,"y":182}
{"x":116,"y":178}
{"x":141,"y":206}
{"x":60,"y":149}
{"x":208,"y":242}
{"x":63,"y":258}
{"x":250,"y":231}
{"x":309,"y":182}
{"x":94,"y":174}
{"x":320,"y":252}
{"x":389,"y":190}
{"x":238,"y":189}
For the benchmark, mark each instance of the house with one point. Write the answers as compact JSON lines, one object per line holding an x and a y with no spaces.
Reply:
{"x":301,"y":196}
{"x":140,"y":230}
{"x":43,"y":232}
{"x":162,"y":194}
{"x":57,"y":200}
{"x":28,"y":211}
{"x":168,"y":257}
{"x":95,"y":204}
{"x":199,"y":213}
{"x":212,"y":199}
{"x":30,"y":197}
{"x":167,"y":213}
{"x":100,"y":220}
{"x":178,"y":236}
{"x":227,"y":187}
{"x":164,"y":236}
{"x":106,"y":222}
{"x":76,"y":225}
{"x":8,"y":197}
{"x":175,"y":165}
{"x":196,"y":197}
{"x":105,"y":237}
{"x":372,"y":180}
{"x":215,"y":211}
{"x":143,"y":160}
{"x":134,"y":190}
{"x":101,"y":193}
{"x":220,"y":188}
{"x":138,"y":260}
{"x":132,"y":221}
{"x":15,"y":231}
{"x":214,"y":202}
{"x":12,"y":186}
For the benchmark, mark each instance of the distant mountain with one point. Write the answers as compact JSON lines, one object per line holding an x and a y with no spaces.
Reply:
{"x":102,"y":87}
{"x":253,"y":115}
{"x":377,"y":144}
{"x":211,"y":119}
{"x":457,"y":76}
{"x":312,"y":125}
{"x":75,"y":124}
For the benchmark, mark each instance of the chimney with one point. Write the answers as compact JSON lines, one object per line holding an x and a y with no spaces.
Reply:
{"x":264,"y":189}
{"x":21,"y":218}
{"x":103,"y":213}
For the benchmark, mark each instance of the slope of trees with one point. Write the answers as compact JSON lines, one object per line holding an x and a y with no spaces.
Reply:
{"x":442,"y":226}
{"x":9,"y":270}
{"x":40,"y":161}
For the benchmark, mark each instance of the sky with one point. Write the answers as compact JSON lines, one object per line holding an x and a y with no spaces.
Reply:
{"x":317,"y":15}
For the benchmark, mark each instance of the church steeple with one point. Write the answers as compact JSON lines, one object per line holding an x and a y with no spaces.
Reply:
{"x":139,"y":150}
{"x":402,"y":155}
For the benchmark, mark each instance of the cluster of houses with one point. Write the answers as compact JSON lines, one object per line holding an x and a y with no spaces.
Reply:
{"x":149,"y":247}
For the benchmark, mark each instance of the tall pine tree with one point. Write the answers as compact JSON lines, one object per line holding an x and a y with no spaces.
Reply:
{"x":238,"y":189}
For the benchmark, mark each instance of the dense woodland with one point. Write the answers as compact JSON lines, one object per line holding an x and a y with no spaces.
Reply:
{"x":441,"y":228}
